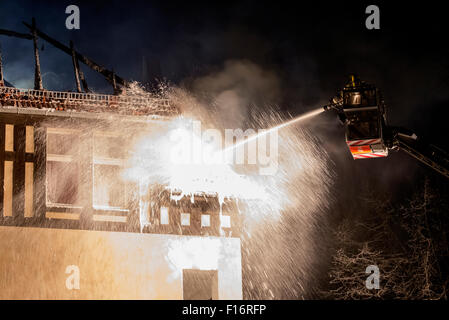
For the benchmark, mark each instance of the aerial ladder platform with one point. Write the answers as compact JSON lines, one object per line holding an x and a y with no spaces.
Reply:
{"x":361,"y":109}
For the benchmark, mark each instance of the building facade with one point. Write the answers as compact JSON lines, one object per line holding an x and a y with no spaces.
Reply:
{"x":71,"y":227}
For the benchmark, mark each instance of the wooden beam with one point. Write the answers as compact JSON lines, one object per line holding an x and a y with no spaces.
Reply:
{"x":75,"y":68}
{"x":79,"y":75}
{"x":83,"y":79}
{"x":37,"y":65}
{"x":2,"y":81}
{"x":16,"y":34}
{"x":114,"y":84}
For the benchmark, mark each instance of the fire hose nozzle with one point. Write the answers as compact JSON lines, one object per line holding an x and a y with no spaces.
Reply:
{"x":328,"y":107}
{"x":331,"y":106}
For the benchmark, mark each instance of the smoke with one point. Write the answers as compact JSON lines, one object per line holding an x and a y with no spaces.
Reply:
{"x":238,"y":88}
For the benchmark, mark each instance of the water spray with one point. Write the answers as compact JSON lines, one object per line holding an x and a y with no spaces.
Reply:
{"x":280,"y":126}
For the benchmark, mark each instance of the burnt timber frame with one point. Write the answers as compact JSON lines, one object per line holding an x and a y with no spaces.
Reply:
{"x":202,"y":204}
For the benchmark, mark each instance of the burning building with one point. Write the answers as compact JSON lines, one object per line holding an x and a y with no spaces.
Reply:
{"x":73,"y":225}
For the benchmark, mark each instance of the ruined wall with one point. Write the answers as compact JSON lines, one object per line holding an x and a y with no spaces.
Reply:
{"x":112,"y":265}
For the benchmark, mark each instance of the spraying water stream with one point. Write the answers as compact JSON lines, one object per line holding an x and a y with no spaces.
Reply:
{"x":280,"y":126}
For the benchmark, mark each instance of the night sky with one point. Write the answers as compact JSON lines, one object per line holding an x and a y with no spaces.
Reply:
{"x":310,"y":47}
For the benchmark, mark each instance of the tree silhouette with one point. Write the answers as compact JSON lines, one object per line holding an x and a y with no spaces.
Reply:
{"x":407,"y":241}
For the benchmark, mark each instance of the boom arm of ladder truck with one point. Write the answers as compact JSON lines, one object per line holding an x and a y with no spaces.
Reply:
{"x":432,"y":156}
{"x":360,"y":107}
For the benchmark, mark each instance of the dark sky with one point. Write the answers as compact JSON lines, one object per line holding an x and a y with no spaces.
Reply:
{"x":311,"y":46}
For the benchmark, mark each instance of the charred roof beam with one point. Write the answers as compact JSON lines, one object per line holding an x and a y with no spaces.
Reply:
{"x":16,"y":34}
